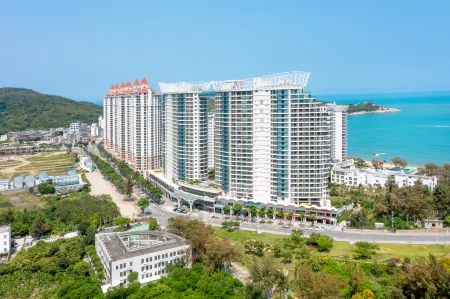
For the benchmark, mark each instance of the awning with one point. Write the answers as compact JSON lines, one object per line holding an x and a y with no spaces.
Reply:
{"x":218,"y":206}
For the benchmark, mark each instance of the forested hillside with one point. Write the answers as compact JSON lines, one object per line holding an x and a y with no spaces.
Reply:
{"x":24,"y":109}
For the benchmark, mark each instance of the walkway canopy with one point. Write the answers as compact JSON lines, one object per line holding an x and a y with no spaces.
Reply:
{"x":190,"y":198}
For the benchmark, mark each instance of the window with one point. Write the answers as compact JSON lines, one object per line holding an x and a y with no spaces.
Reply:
{"x":131,"y":264}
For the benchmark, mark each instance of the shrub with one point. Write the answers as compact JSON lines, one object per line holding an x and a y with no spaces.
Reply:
{"x":324,"y":243}
{"x":365,"y":250}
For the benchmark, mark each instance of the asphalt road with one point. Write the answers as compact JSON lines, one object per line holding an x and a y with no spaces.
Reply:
{"x":163,"y":213}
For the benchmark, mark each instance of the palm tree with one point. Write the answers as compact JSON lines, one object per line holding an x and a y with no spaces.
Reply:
{"x":290,"y":216}
{"x":302,"y":215}
{"x":313,"y":218}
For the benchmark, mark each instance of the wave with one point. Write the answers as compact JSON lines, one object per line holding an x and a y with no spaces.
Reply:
{"x":433,"y":126}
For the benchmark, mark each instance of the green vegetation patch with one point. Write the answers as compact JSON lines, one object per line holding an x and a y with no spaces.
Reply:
{"x":24,"y":109}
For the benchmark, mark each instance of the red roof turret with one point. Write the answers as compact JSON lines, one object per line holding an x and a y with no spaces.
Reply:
{"x":144,"y":81}
{"x":117,"y":86}
{"x":122,"y":85}
{"x":136,"y":83}
{"x":128,"y":84}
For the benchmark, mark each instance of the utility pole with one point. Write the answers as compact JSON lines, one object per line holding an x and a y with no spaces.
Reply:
{"x":392,"y":220}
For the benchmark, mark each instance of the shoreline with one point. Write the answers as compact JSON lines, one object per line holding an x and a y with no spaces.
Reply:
{"x":381,"y":110}
{"x":388,"y":165}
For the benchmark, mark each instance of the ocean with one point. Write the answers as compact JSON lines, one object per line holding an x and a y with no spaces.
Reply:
{"x":419,"y":134}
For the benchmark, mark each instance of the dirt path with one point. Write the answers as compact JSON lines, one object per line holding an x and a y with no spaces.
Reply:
{"x":99,"y":185}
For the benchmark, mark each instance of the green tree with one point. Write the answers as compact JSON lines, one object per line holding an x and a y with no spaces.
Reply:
{"x":89,"y":237}
{"x":356,"y":279}
{"x":270,"y":213}
{"x":237,"y":208}
{"x":82,"y":268}
{"x":310,"y":284}
{"x":152,"y":224}
{"x":143,"y":203}
{"x":39,"y":227}
{"x":412,"y":201}
{"x":253,"y":211}
{"x":424,"y":279}
{"x":122,"y":221}
{"x":441,"y":198}
{"x":219,"y":253}
{"x":128,"y":187}
{"x":132,"y":276}
{"x":46,"y":188}
{"x":313,"y":218}
{"x":226,"y":209}
{"x":290,"y":216}
{"x":262,"y":212}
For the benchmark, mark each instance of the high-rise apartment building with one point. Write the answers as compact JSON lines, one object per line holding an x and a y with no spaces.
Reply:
{"x":338,"y":114}
{"x":186,"y":131}
{"x":133,"y":124}
{"x":211,"y":123}
{"x":272,"y":140}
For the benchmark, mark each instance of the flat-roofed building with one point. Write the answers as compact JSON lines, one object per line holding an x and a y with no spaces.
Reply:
{"x":18,"y":182}
{"x":4,"y":185}
{"x":29,"y":181}
{"x":144,"y":252}
{"x":5,"y":239}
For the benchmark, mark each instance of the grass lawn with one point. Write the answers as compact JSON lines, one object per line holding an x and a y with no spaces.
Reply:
{"x":18,"y":200}
{"x":344,"y":250}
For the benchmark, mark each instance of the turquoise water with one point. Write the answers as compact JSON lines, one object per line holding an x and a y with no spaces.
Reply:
{"x":420,"y":133}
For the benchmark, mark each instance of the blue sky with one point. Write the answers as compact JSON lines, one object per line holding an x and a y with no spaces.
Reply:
{"x":79,"y":49}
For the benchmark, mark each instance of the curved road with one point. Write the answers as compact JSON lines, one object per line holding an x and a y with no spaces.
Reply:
{"x":163,"y":213}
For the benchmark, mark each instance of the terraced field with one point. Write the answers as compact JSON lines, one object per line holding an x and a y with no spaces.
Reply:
{"x":55,"y":163}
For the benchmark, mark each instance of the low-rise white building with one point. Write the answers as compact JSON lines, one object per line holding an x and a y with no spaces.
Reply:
{"x":5,"y":239}
{"x":4,"y":185}
{"x":346,"y":173}
{"x":144,"y":252}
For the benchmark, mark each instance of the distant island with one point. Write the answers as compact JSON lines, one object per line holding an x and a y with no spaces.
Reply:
{"x":25,"y":109}
{"x":369,"y":107}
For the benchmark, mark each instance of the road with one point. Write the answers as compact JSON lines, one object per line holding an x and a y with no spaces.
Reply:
{"x":163,"y":212}
{"x":99,"y":185}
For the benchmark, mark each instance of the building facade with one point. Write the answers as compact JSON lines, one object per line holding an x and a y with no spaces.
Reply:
{"x":347,"y":174}
{"x":5,"y":239}
{"x":211,"y":120}
{"x":144,"y":252}
{"x":133,"y":124}
{"x":186,"y":131}
{"x":272,"y":140}
{"x":338,"y":114}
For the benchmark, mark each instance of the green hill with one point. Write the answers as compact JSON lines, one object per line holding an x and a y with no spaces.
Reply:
{"x":24,"y":109}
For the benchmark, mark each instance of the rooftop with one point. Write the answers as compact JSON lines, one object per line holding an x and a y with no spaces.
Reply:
{"x":123,"y":245}
{"x":29,"y":178}
{"x":5,"y":229}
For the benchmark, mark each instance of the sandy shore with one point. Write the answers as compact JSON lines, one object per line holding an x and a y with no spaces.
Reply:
{"x":99,"y":185}
{"x":387,"y":165}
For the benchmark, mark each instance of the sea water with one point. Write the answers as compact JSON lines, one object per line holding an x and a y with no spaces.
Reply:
{"x":420,"y":133}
